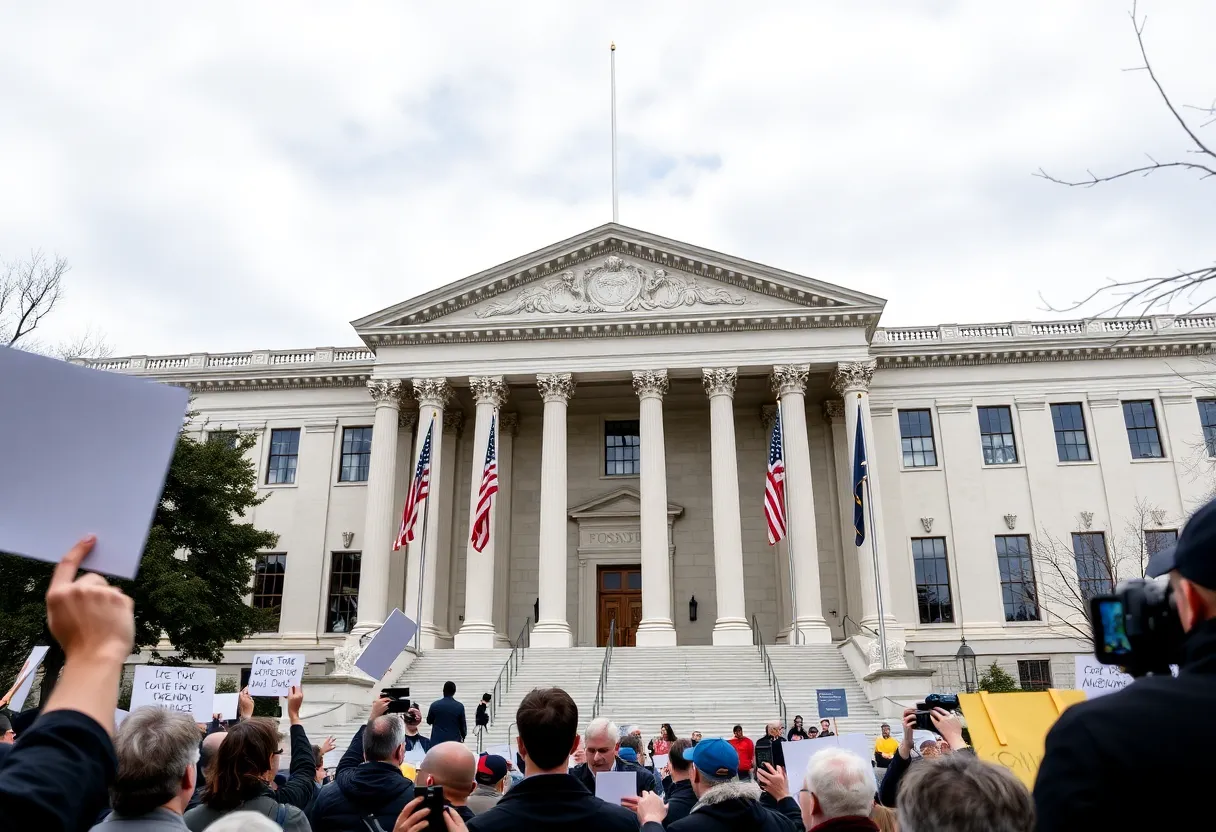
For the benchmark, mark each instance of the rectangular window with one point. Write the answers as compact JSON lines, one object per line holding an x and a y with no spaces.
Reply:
{"x":342,"y":610}
{"x":1093,"y":565}
{"x":1141,"y":421}
{"x":222,"y":437}
{"x":932,"y":580}
{"x":268,"y":584}
{"x":284,"y":451}
{"x":1207,"y":418}
{"x":1018,"y":589}
{"x":622,"y":448}
{"x":356,"y":454}
{"x":996,"y":436}
{"x":1072,"y":444}
{"x":916,"y":438}
{"x":1034,"y":674}
{"x":1158,"y":539}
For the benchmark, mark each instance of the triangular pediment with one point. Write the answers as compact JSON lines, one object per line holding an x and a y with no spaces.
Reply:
{"x":620,"y":503}
{"x":613,"y":275}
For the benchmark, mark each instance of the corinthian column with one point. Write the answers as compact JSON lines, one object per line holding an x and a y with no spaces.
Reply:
{"x":432,"y":395}
{"x":477,"y":631}
{"x":552,"y":630}
{"x":852,"y":382}
{"x":789,"y":383}
{"x":731,"y":626}
{"x":378,"y":514}
{"x":656,"y":628}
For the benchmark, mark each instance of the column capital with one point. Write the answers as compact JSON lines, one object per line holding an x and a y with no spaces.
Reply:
{"x":453,"y":421}
{"x":508,"y":423}
{"x":386,"y":390}
{"x":650,"y":384}
{"x":719,"y":381}
{"x":432,"y":391}
{"x":555,"y":387}
{"x":853,"y":376}
{"x":833,"y":409}
{"x":489,"y":390}
{"x":768,"y":416}
{"x":790,"y":378}
{"x":407,"y":418}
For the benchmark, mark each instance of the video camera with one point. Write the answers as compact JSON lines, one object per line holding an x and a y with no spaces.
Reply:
{"x":1137,"y":626}
{"x":401,"y":704}
{"x":924,"y":710}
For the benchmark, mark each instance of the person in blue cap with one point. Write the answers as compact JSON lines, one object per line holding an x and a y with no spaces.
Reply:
{"x":724,"y":802}
{"x":1155,"y":736}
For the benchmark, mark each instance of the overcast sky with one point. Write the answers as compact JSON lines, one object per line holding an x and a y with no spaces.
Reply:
{"x":234,"y":176}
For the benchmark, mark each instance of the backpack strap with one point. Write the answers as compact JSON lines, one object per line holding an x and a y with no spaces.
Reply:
{"x":372,"y":824}
{"x":280,"y":814}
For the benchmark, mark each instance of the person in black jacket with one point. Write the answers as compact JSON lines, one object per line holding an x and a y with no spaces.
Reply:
{"x":771,"y":742}
{"x":679,"y":794}
{"x":368,"y":781}
{"x":55,"y":778}
{"x":1092,"y":763}
{"x":602,"y":744}
{"x":549,"y":799}
{"x":446,"y":717}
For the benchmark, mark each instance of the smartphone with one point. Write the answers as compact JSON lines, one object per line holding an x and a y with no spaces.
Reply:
{"x":432,"y":798}
{"x":764,"y":754}
{"x":1111,"y":644}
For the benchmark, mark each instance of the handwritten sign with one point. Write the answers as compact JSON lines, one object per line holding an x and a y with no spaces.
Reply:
{"x":187,"y":689}
{"x":273,"y":674}
{"x":832,"y":702}
{"x":15,"y":698}
{"x":1097,"y":679}
{"x":1010,"y":729}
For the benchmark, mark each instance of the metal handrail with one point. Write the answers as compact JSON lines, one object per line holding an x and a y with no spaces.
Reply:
{"x":860,"y":627}
{"x":509,"y":668}
{"x":601,"y":688}
{"x":758,"y":640}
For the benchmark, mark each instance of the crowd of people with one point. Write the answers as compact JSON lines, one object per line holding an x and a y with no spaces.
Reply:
{"x":65,"y":767}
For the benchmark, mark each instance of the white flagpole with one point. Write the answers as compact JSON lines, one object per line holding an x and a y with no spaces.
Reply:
{"x":789,"y":529}
{"x":612,"y":65}
{"x":873,"y":535}
{"x":422,"y":541}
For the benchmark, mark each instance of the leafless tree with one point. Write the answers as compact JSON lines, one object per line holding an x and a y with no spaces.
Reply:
{"x":30,"y":290}
{"x":1157,"y":293}
{"x":1064,"y":596}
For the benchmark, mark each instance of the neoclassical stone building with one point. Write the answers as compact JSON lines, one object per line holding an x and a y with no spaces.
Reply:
{"x":632,"y":382}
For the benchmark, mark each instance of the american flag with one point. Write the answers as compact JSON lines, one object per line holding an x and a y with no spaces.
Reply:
{"x":774,"y":485}
{"x":485,"y":495}
{"x":420,"y":489}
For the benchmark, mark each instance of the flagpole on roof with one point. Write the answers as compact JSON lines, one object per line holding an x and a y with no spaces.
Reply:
{"x":612,"y":70}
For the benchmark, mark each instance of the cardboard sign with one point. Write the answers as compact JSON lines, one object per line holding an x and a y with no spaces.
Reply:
{"x":114,"y":433}
{"x":1010,"y":729}
{"x":16,"y":696}
{"x":799,"y":754}
{"x":612,"y":786}
{"x":274,"y":674}
{"x":225,"y":705}
{"x":832,"y":702}
{"x":187,"y":689}
{"x":1096,"y":679}
{"x":378,"y":656}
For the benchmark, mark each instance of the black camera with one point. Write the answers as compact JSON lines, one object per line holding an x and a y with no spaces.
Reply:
{"x":1137,"y":627}
{"x":945,"y":701}
{"x":401,"y":701}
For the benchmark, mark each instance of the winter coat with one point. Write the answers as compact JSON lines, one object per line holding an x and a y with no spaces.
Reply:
{"x":584,"y":774}
{"x":733,"y":806}
{"x":360,"y":789}
{"x":553,"y":803}
{"x":446,"y":718}
{"x":680,"y":800}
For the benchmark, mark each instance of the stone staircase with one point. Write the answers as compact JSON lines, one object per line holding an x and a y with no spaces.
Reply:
{"x":801,"y":669}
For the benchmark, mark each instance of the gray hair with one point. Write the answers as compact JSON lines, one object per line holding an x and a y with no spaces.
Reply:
{"x":155,"y":748}
{"x":382,"y":737}
{"x":959,"y":793}
{"x":842,"y":783}
{"x":600,"y":727}
{"x":245,"y":821}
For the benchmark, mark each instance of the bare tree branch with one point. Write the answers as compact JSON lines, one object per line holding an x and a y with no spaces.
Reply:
{"x":91,"y":344}
{"x":29,"y":291}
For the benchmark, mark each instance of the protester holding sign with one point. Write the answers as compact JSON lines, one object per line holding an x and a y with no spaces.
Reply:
{"x":946,"y":724}
{"x":275,"y":674}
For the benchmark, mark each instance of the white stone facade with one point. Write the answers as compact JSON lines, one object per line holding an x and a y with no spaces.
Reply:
{"x":698,"y":345}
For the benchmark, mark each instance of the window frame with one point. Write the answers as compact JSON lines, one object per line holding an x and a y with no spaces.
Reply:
{"x":604,"y":461}
{"x":1208,"y":407}
{"x":271,"y":456}
{"x":259,"y":573}
{"x":905,"y":452}
{"x":990,"y":454}
{"x":1149,"y":549}
{"x":1133,"y":444}
{"x":1091,"y":585}
{"x":1026,"y":669}
{"x":349,"y":594}
{"x":365,"y":465}
{"x":1014,"y":585}
{"x":227,"y":437}
{"x":1084,"y":431}
{"x":924,"y":608}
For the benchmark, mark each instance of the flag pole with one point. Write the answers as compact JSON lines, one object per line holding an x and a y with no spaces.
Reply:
{"x":882,"y":618}
{"x":422,"y":544}
{"x":789,"y":528}
{"x":612,"y":72}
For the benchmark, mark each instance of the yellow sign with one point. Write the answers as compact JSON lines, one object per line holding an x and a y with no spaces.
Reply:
{"x":1009,"y":729}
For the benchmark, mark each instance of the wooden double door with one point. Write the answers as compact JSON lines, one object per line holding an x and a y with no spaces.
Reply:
{"x":620,"y":598}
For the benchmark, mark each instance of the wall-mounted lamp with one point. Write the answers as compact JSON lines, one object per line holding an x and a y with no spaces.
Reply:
{"x":692,"y":608}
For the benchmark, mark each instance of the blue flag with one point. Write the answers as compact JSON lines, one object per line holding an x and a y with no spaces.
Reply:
{"x":859,"y":481}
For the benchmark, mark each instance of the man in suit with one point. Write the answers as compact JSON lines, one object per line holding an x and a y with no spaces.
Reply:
{"x":446,"y":717}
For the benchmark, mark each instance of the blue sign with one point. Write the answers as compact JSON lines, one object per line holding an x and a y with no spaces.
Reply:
{"x":832,"y":702}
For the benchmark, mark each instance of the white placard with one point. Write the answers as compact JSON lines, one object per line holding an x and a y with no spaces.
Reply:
{"x":503,"y":751}
{"x":798,"y":754}
{"x":414,"y":755}
{"x":273,"y":674}
{"x":25,"y":679}
{"x":225,"y":705}
{"x":611,"y":786}
{"x":187,"y":689}
{"x":386,"y":645}
{"x":660,"y":760}
{"x":119,"y":716}
{"x":1098,"y":679}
